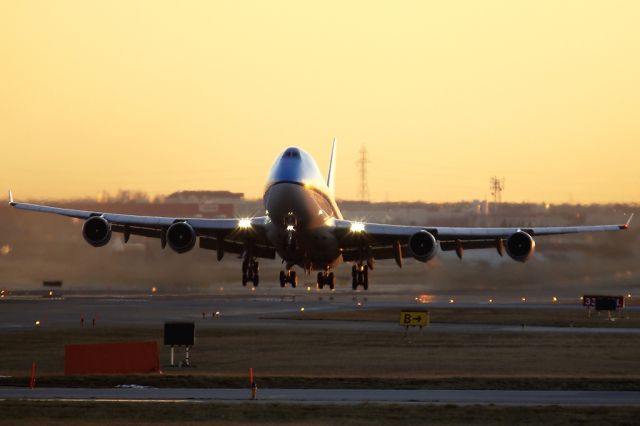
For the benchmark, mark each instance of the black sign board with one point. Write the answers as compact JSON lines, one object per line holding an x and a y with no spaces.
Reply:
{"x":603,"y":303}
{"x":179,"y":333}
{"x":606,"y":304}
{"x":52,"y":283}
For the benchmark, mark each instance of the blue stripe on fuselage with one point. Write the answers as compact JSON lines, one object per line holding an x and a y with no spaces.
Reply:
{"x":296,"y":165}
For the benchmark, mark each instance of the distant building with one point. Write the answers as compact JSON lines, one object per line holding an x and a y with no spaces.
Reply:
{"x":205,"y":197}
{"x":210,"y":203}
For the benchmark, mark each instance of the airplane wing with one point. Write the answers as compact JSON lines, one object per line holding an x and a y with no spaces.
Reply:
{"x":393,"y":241}
{"x":222,"y":235}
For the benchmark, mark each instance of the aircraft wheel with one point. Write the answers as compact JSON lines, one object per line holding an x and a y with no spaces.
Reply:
{"x":256,"y":267}
{"x":354,"y":283}
{"x":283,"y":278}
{"x":256,"y":280}
{"x":293,"y":279}
{"x":320,"y":281}
{"x":332,"y":281}
{"x":245,"y":279}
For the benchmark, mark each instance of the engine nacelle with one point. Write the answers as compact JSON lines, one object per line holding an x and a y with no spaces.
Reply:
{"x":423,"y":246}
{"x":96,"y":231}
{"x":181,"y":237}
{"x":520,"y":246}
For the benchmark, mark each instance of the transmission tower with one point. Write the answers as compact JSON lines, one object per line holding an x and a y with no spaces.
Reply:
{"x":496,"y":186}
{"x":362,"y":166}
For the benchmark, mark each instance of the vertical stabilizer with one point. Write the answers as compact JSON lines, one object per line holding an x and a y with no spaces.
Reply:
{"x":332,"y":168}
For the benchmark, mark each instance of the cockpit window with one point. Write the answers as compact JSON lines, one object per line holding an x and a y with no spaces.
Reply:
{"x":291,"y":153}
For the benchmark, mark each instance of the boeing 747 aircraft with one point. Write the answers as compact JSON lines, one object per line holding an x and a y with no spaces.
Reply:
{"x":303,"y":225}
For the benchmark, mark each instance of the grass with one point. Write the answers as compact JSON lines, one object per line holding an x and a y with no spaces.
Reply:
{"x":106,"y":413}
{"x":344,"y":358}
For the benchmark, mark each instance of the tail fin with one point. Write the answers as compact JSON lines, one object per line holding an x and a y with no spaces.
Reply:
{"x":331,"y":176}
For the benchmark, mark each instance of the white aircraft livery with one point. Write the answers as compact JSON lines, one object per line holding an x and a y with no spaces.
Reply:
{"x":303,"y":226}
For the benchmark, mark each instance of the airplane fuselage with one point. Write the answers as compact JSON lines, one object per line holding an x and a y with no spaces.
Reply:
{"x":301,"y":208}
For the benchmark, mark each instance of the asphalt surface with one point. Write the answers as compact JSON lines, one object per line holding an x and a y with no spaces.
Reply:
{"x":333,"y":396}
{"x":236,"y":311}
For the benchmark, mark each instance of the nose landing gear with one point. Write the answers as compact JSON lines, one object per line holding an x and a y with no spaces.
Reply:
{"x":250,"y":268}
{"x":288,"y":277}
{"x":360,"y":276}
{"x":326,"y":278}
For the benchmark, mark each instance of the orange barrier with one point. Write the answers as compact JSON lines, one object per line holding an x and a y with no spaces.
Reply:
{"x":112,"y":358}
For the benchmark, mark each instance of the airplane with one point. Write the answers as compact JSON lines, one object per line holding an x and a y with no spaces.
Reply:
{"x":304,"y":227}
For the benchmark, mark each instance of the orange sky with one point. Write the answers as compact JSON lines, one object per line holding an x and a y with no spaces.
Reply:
{"x":160,"y":96}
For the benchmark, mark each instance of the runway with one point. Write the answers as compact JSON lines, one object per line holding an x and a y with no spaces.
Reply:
{"x":333,"y":396}
{"x":241,"y":312}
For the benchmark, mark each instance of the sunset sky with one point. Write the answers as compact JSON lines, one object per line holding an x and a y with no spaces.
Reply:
{"x":162,"y":96}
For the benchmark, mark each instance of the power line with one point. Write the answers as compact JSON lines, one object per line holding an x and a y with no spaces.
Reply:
{"x":362,"y":166}
{"x":496,"y":186}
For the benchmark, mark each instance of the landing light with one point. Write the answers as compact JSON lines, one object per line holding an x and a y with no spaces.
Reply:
{"x":357,"y":227}
{"x":555,"y":299}
{"x":244,"y":223}
{"x":290,"y":228}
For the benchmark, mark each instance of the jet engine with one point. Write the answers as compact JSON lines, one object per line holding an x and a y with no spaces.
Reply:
{"x":520,"y":246}
{"x":96,"y":231}
{"x":181,"y":237}
{"x":423,"y":246}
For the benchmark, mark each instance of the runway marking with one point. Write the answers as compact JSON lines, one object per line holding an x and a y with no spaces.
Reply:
{"x":329,"y":396}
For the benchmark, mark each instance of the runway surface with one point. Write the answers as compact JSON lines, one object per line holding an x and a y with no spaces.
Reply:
{"x":243,"y":312}
{"x":333,"y":396}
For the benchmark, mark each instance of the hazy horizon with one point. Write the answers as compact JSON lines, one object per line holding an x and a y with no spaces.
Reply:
{"x":118,"y":196}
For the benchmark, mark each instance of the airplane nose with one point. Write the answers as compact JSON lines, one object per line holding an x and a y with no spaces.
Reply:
{"x":285,"y":201}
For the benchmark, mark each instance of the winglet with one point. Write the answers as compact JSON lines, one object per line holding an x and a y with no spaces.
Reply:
{"x":626,"y":225}
{"x":11,"y":202}
{"x":331,"y":176}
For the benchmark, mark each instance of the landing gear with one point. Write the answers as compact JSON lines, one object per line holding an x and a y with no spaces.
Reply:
{"x":250,"y":268}
{"x":360,"y":276}
{"x":288,"y":277}
{"x":326,"y":278}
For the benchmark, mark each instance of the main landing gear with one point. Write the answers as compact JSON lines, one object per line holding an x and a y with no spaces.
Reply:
{"x":326,"y":278}
{"x":288,"y":277}
{"x":360,"y":276}
{"x":250,"y":268}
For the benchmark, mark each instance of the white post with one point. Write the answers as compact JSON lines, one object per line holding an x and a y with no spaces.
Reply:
{"x":172,"y":356}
